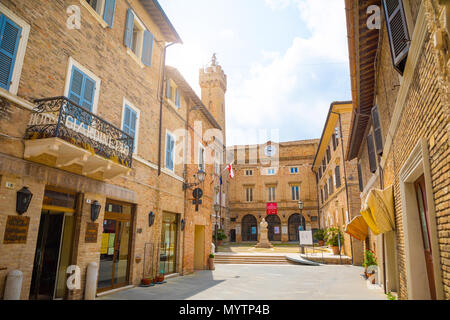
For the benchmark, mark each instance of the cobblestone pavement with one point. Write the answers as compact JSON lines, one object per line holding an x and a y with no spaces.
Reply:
{"x":261,"y":282}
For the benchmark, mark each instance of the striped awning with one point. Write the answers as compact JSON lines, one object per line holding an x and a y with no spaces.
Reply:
{"x":358,"y":228}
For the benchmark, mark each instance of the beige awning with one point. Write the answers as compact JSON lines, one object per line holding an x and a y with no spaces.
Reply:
{"x":358,"y":228}
{"x":378,"y":210}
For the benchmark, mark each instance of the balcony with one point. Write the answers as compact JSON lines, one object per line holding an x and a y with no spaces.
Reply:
{"x":64,"y":135}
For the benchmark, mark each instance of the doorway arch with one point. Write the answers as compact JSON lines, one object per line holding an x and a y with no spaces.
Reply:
{"x":294,"y":222}
{"x":274,"y":227}
{"x":249,"y":228}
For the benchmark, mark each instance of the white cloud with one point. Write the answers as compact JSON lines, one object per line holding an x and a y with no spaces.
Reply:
{"x":278,"y":4}
{"x":282,"y":89}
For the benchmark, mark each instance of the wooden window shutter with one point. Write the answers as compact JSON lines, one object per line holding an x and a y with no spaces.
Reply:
{"x":338,"y":176}
{"x":361,"y":185}
{"x":128,"y":38}
{"x":147,"y":52}
{"x":9,"y":43}
{"x":372,"y":155}
{"x":334,"y":141}
{"x":397,"y":29}
{"x":110,"y":8}
{"x":377,"y":130}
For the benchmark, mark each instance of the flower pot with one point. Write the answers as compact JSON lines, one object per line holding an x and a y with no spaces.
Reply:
{"x":321,"y":243}
{"x":147,"y":281}
{"x":160,"y":278}
{"x":211,"y":264}
{"x":219,"y":242}
{"x":335,"y":250}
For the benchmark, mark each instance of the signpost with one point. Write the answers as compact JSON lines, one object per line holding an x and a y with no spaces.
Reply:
{"x":305,"y":238}
{"x":197,"y":194}
{"x":271,"y":208}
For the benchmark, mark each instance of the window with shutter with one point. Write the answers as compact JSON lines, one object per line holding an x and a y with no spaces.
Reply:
{"x":328,"y":155}
{"x":372,"y":155}
{"x":128,"y":37}
{"x":333,"y":138}
{"x":360,"y":180}
{"x":9,"y":43}
{"x":82,"y":89}
{"x":148,"y":48}
{"x":170,"y":154}
{"x":129,"y":125}
{"x":168,"y":89}
{"x":338,"y":176}
{"x":108,"y":15}
{"x":177,"y":98}
{"x":397,"y":28}
{"x":377,"y":130}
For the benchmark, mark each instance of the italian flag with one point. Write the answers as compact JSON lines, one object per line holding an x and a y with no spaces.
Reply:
{"x":230,"y":170}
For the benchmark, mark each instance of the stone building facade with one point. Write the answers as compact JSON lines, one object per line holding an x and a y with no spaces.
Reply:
{"x":337,"y":186}
{"x":400,"y":138}
{"x":272,"y":173}
{"x":97,"y":158}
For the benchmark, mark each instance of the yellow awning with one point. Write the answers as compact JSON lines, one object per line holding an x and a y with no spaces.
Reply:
{"x":358,"y":228}
{"x":378,"y":211}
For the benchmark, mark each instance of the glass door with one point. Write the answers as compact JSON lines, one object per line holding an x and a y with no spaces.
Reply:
{"x":168,"y":249}
{"x":115,"y":247}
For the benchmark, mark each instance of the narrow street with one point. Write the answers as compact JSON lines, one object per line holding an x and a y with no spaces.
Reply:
{"x":261,"y":282}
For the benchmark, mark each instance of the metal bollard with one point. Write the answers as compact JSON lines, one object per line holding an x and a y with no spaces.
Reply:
{"x":13,"y":285}
{"x":91,"y":281}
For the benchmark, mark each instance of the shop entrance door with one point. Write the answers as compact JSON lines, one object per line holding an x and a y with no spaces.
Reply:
{"x":115,"y":247}
{"x":54,"y":247}
{"x":168,"y":250}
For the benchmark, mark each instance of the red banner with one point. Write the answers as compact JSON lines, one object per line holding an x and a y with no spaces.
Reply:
{"x":271,"y":208}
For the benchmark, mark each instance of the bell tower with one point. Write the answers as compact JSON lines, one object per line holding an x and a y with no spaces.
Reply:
{"x":213,"y":83}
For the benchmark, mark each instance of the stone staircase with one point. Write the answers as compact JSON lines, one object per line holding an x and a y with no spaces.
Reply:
{"x":250,"y":259}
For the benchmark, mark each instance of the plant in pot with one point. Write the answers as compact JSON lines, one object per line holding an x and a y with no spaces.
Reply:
{"x":332,"y":236}
{"x":220,"y":236}
{"x":147,"y":281}
{"x":160,"y":277}
{"x":319,"y":235}
{"x":370,"y":259}
{"x":211,"y":262}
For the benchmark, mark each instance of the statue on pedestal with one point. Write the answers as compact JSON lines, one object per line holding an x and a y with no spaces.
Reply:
{"x":263,"y":238}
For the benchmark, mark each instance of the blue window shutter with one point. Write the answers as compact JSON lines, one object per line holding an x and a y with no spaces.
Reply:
{"x":178,"y":98}
{"x":169,"y":152}
{"x":147,"y":52}
{"x":126,"y":120}
{"x":88,"y":93}
{"x":172,"y":146}
{"x":110,"y":8}
{"x":168,"y":89}
{"x":9,"y":43}
{"x":128,"y":38}
{"x":76,"y":86}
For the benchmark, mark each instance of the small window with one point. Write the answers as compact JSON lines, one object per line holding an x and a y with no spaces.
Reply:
{"x":249,"y":194}
{"x":130,"y":122}
{"x":201,"y":158}
{"x":294,"y":170}
{"x":170,"y":151}
{"x":271,"y":171}
{"x":271,"y":195}
{"x":138,"y":39}
{"x":105,"y":9}
{"x":177,"y":98}
{"x":295,"y":190}
{"x":249,"y":172}
{"x":82,"y":89}
{"x":338,"y":176}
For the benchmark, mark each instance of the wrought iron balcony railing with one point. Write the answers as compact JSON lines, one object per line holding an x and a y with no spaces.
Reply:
{"x":60,"y":117}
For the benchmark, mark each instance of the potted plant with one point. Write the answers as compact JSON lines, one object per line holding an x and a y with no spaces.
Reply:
{"x":160,"y":277}
{"x":319,"y":235}
{"x":370,"y":259}
{"x":220,"y":236}
{"x":332,"y":237}
{"x":147,"y":281}
{"x":211,"y":262}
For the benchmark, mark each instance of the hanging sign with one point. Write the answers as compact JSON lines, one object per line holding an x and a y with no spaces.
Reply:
{"x":253,"y":230}
{"x":271,"y":208}
{"x":276,"y":230}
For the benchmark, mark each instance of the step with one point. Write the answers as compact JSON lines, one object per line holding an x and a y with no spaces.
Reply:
{"x":251,"y":259}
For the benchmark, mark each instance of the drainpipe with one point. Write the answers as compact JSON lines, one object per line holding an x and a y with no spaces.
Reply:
{"x":161,"y":101}
{"x":380,"y":174}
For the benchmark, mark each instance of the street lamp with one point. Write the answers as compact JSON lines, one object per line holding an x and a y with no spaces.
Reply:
{"x":300,"y":206}
{"x":216,"y":209}
{"x":200,"y":177}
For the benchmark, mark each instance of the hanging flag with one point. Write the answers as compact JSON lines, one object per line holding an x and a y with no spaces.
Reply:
{"x":230,"y":170}
{"x":221,"y":180}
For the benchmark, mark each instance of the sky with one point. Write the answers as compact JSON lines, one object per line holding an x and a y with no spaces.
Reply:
{"x":285,"y":61}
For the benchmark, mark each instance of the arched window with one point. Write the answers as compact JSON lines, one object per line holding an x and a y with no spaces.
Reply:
{"x":296,"y":220}
{"x":274,"y":227}
{"x":249,"y":228}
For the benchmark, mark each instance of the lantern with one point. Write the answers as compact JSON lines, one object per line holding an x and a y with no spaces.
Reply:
{"x":24,"y":197}
{"x":95,"y":210}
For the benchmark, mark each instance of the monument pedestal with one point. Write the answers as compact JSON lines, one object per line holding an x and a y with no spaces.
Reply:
{"x":263,"y":238}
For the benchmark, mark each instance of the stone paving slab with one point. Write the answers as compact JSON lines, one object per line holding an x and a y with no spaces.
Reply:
{"x":261,"y":282}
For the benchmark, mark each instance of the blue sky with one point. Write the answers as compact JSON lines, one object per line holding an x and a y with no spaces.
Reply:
{"x":286,"y":61}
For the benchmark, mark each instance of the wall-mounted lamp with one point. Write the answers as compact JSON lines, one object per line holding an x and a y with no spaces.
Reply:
{"x":23,"y":200}
{"x":200,"y":177}
{"x":183,"y":224}
{"x":151,"y":218}
{"x":95,"y":210}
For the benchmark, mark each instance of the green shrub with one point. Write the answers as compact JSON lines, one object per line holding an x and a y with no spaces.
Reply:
{"x":211,"y":255}
{"x":331,"y":236}
{"x":370,"y":259}
{"x":319,"y":235}
{"x":220,"y":235}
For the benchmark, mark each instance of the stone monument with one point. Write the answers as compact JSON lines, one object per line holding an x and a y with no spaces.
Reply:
{"x":263,"y":238}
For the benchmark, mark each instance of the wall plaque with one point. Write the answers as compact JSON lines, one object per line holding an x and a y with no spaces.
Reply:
{"x":16,"y":230}
{"x":91,"y":233}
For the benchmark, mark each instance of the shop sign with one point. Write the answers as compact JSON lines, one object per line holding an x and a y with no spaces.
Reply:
{"x":276,"y":230}
{"x":253,"y":230}
{"x":91,"y":233}
{"x":271,"y":208}
{"x":16,"y":230}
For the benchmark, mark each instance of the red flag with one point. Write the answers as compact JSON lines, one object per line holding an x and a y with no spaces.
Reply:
{"x":230,"y":170}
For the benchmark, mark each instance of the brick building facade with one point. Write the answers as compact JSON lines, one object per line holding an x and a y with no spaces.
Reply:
{"x":104,"y":141}
{"x":337,"y":186}
{"x":400,"y":138}
{"x":272,"y":173}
